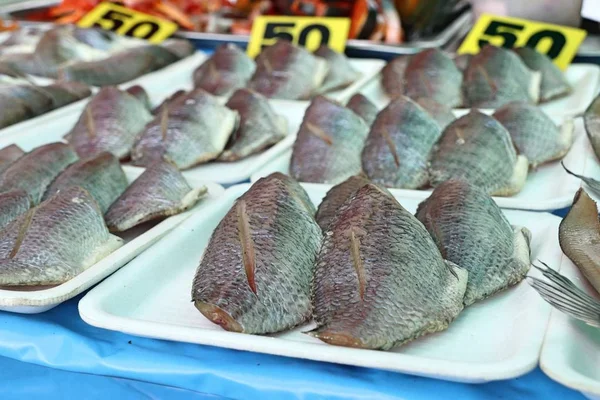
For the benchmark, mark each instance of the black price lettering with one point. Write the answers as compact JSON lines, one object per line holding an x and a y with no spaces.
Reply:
{"x":277,"y":30}
{"x":502,"y":29}
{"x":116,"y":19}
{"x":322,"y":29}
{"x":144,"y":29}
{"x":557,"y":38}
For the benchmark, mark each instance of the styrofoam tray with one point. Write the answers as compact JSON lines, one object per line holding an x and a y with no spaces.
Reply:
{"x":499,"y":338}
{"x":571,"y":349}
{"x":584,"y":78}
{"x":136,"y":239}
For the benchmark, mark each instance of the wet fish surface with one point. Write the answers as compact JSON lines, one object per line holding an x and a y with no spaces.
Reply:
{"x":140,"y":93}
{"x":255,"y":275}
{"x":341,"y":73}
{"x":554,"y":84}
{"x":228,"y":69}
{"x":259,"y":126}
{"x":591,"y":120}
{"x":392,"y":76}
{"x":327,"y":148}
{"x":13,"y":204}
{"x":54,"y":242}
{"x":363,"y":107}
{"x":397,"y":150}
{"x":336,"y":196}
{"x":479,"y":150}
{"x":534,"y":134}
{"x":471,"y":231}
{"x":160,"y":191}
{"x":101,"y":176}
{"x":8,"y":155}
{"x":440,"y":112}
{"x":380,"y":280}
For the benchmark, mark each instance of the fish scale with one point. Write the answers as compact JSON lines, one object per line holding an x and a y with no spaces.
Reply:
{"x":8,"y":155}
{"x":13,"y":204}
{"x":363,"y":107}
{"x":336,"y":196}
{"x":341,"y":72}
{"x":392,"y":76}
{"x":554,"y":84}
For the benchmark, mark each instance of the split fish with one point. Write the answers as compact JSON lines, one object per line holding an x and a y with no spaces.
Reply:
{"x":363,"y":107}
{"x":534,"y":134}
{"x":190,"y":130}
{"x":255,"y":275}
{"x":36,"y":170}
{"x":285,"y":71}
{"x":228,"y":69}
{"x":101,"y":175}
{"x":64,"y":93}
{"x":8,"y":155}
{"x":554,"y":84}
{"x":478,"y":149}
{"x":13,"y":204}
{"x":328,"y":145}
{"x":13,"y":110}
{"x":341,"y":73}
{"x":336,"y":196}
{"x":110,"y":122}
{"x":591,"y":119}
{"x":392,"y":76}
{"x":35,"y":99}
{"x":441,"y":113}
{"x":397,"y":150}
{"x":180,"y":93}
{"x":259,"y":126}
{"x":160,"y":191}
{"x":55,"y":241}
{"x":380,"y":280}
{"x":140,"y":93}
{"x":471,"y":231}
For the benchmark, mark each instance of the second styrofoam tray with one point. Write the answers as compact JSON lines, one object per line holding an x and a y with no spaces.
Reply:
{"x":499,"y":338}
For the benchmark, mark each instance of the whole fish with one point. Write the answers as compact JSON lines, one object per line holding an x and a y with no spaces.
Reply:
{"x":159,"y":192}
{"x":336,"y":196}
{"x":392,"y":76}
{"x":228,"y":69}
{"x":110,"y":122}
{"x":478,"y":149}
{"x":255,"y":275}
{"x":380,"y":280}
{"x":54,"y":242}
{"x":140,"y":93}
{"x":341,"y":73}
{"x":13,"y":204}
{"x":441,"y":113}
{"x":363,"y":107}
{"x":591,"y":119}
{"x":397,"y":150}
{"x":36,"y":170}
{"x":259,"y":126}
{"x":64,"y":93}
{"x":285,"y":71}
{"x":496,"y":76}
{"x":9,"y":155}
{"x":534,"y":134}
{"x":327,"y":148}
{"x":101,"y":175}
{"x":554,"y":84}
{"x":432,"y":74}
{"x":190,"y":130}
{"x":471,"y":231}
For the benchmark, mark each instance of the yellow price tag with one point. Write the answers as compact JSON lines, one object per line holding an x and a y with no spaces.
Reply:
{"x":558,"y":42}
{"x":309,"y":32}
{"x":127,"y":22}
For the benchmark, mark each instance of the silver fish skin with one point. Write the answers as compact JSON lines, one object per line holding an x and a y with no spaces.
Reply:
{"x":36,"y":170}
{"x":55,"y":241}
{"x":13,"y":204}
{"x":363,"y":107}
{"x":392,"y":76}
{"x":441,"y":113}
{"x":434,"y":75}
{"x":534,"y":134}
{"x":160,"y":191}
{"x":398,"y":148}
{"x":479,"y":150}
{"x":255,"y":275}
{"x":369,"y":289}
{"x":259,"y":127}
{"x":192,"y":129}
{"x":336,"y":196}
{"x":496,"y":76}
{"x":341,"y":73}
{"x":101,"y":175}
{"x":64,"y":93}
{"x":9,"y":155}
{"x":140,"y":93}
{"x":327,"y":148}
{"x":471,"y":231}
{"x":110,"y":122}
{"x":285,"y":71}
{"x":591,"y":120}
{"x":228,"y":69}
{"x":554,"y":84}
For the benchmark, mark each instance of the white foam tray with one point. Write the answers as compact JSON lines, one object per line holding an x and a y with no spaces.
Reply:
{"x":137,"y":240}
{"x":499,"y":338}
{"x":584,"y":78}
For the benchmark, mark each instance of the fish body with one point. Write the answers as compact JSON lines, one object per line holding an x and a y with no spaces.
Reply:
{"x":192,"y":129}
{"x":140,"y":93}
{"x":341,"y":73}
{"x":9,"y":155}
{"x":336,"y":196}
{"x":397,"y":150}
{"x":363,"y":107}
{"x":255,"y":275}
{"x":554,"y":84}
{"x":380,"y":280}
{"x":591,"y":120}
{"x":479,"y":150}
{"x":228,"y":69}
{"x":259,"y":126}
{"x":35,"y":99}
{"x":54,"y":242}
{"x":327,"y":148}
{"x":13,"y":111}
{"x":392,"y":76}
{"x":441,"y":113}
{"x":64,"y":93}
{"x":160,"y":191}
{"x":181,"y":48}
{"x":471,"y":231}
{"x":13,"y":204}
{"x":534,"y":134}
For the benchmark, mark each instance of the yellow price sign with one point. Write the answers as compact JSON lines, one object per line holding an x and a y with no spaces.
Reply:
{"x":309,"y":32}
{"x":127,"y":22}
{"x":558,"y":42}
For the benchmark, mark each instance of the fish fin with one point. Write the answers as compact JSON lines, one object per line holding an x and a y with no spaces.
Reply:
{"x":22,"y":232}
{"x":16,"y":273}
{"x":358,"y":264}
{"x":392,"y":146}
{"x":591,"y":182}
{"x":245,"y":237}
{"x":320,"y":133}
{"x":218,"y":316}
{"x":488,"y":79}
{"x":336,"y":338}
{"x":89,"y":122}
